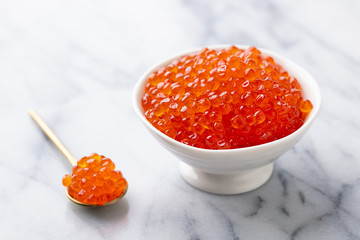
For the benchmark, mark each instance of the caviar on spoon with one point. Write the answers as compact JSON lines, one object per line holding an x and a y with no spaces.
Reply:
{"x":94,"y":181}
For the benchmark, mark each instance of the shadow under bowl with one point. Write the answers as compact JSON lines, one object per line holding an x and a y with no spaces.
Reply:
{"x":232,"y":171}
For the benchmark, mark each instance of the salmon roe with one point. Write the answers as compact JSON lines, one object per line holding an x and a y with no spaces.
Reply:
{"x":95,"y":181}
{"x":222,"y":99}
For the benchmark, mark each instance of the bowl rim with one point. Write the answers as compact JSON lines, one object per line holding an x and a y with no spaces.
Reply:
{"x":139,"y":88}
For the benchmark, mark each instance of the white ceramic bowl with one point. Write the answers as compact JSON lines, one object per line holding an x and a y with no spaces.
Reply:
{"x":232,"y":171}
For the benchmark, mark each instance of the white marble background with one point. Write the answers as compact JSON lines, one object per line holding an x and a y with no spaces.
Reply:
{"x":76,"y":63}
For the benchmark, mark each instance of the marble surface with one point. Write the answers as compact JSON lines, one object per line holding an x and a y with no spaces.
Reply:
{"x":76,"y":63}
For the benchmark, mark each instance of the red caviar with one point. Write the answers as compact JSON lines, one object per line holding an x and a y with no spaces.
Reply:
{"x":221,"y":99}
{"x":95,"y":181}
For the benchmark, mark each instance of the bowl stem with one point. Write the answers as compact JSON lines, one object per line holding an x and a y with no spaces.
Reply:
{"x":227,"y":184}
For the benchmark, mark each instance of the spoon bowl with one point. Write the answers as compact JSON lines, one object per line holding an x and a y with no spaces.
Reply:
{"x":94,"y":205}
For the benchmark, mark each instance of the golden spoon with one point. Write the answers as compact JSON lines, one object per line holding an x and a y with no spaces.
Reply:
{"x":51,"y":135}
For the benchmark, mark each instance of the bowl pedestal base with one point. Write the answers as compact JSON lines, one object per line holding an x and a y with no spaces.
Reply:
{"x":227,"y":184}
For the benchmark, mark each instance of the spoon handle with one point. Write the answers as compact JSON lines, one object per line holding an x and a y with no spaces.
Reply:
{"x":53,"y":137}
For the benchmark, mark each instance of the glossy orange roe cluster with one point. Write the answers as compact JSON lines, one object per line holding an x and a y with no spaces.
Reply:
{"x":95,"y":181}
{"x":222,"y":99}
